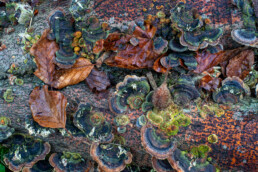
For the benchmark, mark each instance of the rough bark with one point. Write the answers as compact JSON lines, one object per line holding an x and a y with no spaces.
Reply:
{"x":232,"y":140}
{"x":235,"y":129}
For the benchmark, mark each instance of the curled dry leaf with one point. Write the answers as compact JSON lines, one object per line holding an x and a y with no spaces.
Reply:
{"x":44,"y":52}
{"x":241,"y":64}
{"x":48,"y":107}
{"x":207,"y":60}
{"x":210,"y":83}
{"x":133,"y":51}
{"x":77,"y":73}
{"x":97,"y":80}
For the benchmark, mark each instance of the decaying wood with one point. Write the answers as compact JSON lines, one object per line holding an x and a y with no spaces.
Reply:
{"x":195,"y":134}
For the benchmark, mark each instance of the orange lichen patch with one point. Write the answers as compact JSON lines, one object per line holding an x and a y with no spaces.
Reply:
{"x":159,"y":7}
{"x":236,"y":146}
{"x":151,"y":5}
{"x":217,"y":10}
{"x":144,"y":9}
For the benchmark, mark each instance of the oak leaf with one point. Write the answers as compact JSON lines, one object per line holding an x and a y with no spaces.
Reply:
{"x":48,"y":107}
{"x":44,"y":52}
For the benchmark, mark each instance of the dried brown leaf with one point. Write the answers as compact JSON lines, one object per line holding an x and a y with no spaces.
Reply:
{"x":44,"y":52}
{"x":207,"y":60}
{"x":241,"y":64}
{"x":77,"y":73}
{"x":48,"y":107}
{"x":97,"y":80}
{"x":210,"y":83}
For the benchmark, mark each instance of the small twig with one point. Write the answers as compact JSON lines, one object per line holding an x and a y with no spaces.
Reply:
{"x":151,"y":80}
{"x":31,"y":18}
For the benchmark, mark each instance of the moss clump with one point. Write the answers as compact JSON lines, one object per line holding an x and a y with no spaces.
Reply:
{"x":200,"y":151}
{"x":213,"y":138}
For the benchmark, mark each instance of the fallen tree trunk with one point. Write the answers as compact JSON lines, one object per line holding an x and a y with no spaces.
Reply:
{"x":235,"y":129}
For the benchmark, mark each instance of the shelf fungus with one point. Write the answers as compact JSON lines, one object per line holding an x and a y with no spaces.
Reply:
{"x":156,"y":143}
{"x":161,"y":165}
{"x":147,"y":104}
{"x":61,"y":31}
{"x":70,"y":127}
{"x":232,"y":90}
{"x":200,"y":39}
{"x":68,"y":161}
{"x":92,"y":32}
{"x":181,"y":162}
{"x":175,"y":45}
{"x":141,"y":121}
{"x":175,"y":59}
{"x":110,"y":157}
{"x":25,"y":152}
{"x":130,"y":93}
{"x":40,"y":166}
{"x":5,"y":130}
{"x":246,"y":37}
{"x":93,"y":124}
{"x":184,"y":19}
{"x":184,"y":90}
{"x":35,"y":129}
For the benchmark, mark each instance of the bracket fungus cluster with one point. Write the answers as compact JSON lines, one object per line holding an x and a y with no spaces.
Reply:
{"x":184,"y":90}
{"x":25,"y":152}
{"x":93,"y":124}
{"x":61,"y":31}
{"x":181,"y":161}
{"x":40,"y":166}
{"x":137,"y":116}
{"x":232,"y":90}
{"x":130,"y":94}
{"x":247,"y":35}
{"x":110,"y":157}
{"x":68,"y":161}
{"x":195,"y":33}
{"x":156,"y":142}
